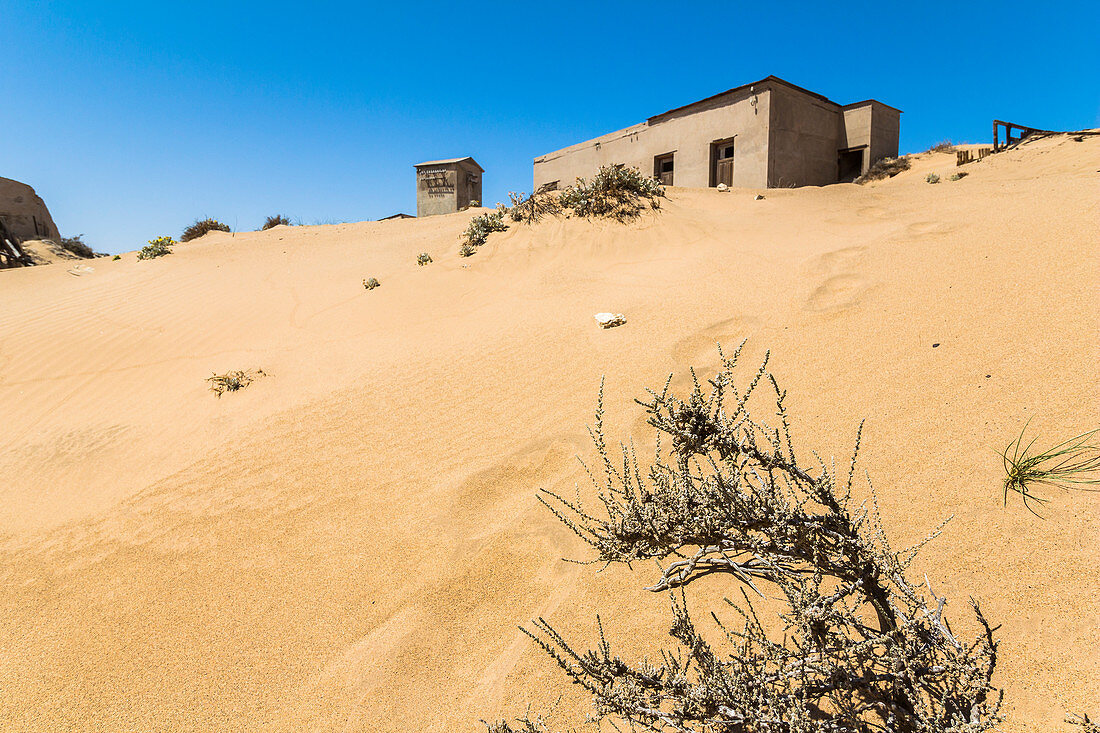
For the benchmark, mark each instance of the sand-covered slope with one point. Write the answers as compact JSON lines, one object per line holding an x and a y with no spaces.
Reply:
{"x":350,"y":542}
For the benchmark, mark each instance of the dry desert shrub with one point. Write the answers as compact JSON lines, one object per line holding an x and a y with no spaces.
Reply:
{"x":371,"y":283}
{"x":943,"y":146}
{"x":932,"y":178}
{"x":615,"y":192}
{"x":1083,"y":721}
{"x":863,"y":648}
{"x":75,"y":245}
{"x":481,"y":226}
{"x":531,"y":209}
{"x":233,"y":381}
{"x":885,"y":168}
{"x":201,"y":227}
{"x":423,"y":259}
{"x":156,"y":248}
{"x":273,"y":221}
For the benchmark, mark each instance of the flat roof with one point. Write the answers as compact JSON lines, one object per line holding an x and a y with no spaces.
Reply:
{"x":767,"y":79}
{"x":449,"y":161}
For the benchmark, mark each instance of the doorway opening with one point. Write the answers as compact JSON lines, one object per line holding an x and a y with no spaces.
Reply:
{"x":721,"y":162}
{"x":662,"y":168}
{"x":849,"y":165}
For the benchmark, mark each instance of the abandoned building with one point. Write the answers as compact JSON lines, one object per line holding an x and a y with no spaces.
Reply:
{"x":768,"y":134}
{"x":24,"y":213}
{"x":447,"y":186}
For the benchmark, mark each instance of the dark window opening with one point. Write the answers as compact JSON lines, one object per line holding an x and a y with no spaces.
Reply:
{"x":849,"y":165}
{"x":663,"y":166}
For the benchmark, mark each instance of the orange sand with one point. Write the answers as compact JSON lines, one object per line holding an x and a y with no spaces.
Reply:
{"x":350,"y":542}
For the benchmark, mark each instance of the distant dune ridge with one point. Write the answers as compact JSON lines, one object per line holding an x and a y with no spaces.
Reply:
{"x":350,"y":542}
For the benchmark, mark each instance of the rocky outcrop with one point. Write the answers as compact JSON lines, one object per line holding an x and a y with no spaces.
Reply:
{"x":24,"y":213}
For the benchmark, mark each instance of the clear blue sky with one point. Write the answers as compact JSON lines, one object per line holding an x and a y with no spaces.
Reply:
{"x":132,"y":119}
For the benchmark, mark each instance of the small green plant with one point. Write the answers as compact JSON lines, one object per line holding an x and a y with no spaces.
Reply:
{"x":423,"y":259}
{"x":201,"y":227}
{"x":156,"y":248}
{"x":117,"y":257}
{"x":958,"y":175}
{"x":371,"y":283}
{"x":932,"y":178}
{"x":274,"y":221}
{"x":233,"y":381}
{"x":1072,"y":464}
{"x":481,"y":226}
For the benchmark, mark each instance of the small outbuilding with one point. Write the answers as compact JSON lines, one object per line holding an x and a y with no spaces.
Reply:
{"x":447,"y":186}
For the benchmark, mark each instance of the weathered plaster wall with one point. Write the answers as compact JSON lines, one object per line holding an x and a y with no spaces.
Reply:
{"x":885,"y":131}
{"x":468,"y":185}
{"x":441,"y":197}
{"x":24,"y":212}
{"x":688,"y":135}
{"x":803,"y":141}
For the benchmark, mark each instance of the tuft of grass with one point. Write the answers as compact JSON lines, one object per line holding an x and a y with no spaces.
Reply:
{"x":233,"y":381}
{"x":156,"y":248}
{"x":933,"y":178}
{"x":885,"y":168}
{"x":117,"y":257}
{"x":201,"y":227}
{"x":274,"y":221}
{"x":371,"y":283}
{"x":943,"y":146}
{"x":1072,"y":464}
{"x":958,"y":175}
{"x":423,"y":259}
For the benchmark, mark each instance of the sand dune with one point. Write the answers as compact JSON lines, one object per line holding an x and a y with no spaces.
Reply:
{"x":350,"y":542}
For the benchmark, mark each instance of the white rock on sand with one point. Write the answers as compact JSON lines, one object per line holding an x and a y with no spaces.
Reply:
{"x":610,"y":320}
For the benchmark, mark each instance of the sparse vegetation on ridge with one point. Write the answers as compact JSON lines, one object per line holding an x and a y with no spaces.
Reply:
{"x":75,"y":245}
{"x":862,"y":648}
{"x":156,"y":248}
{"x":531,"y":209}
{"x":885,"y":168}
{"x":201,"y":227}
{"x":274,"y":221}
{"x":615,"y":192}
{"x":943,"y":146}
